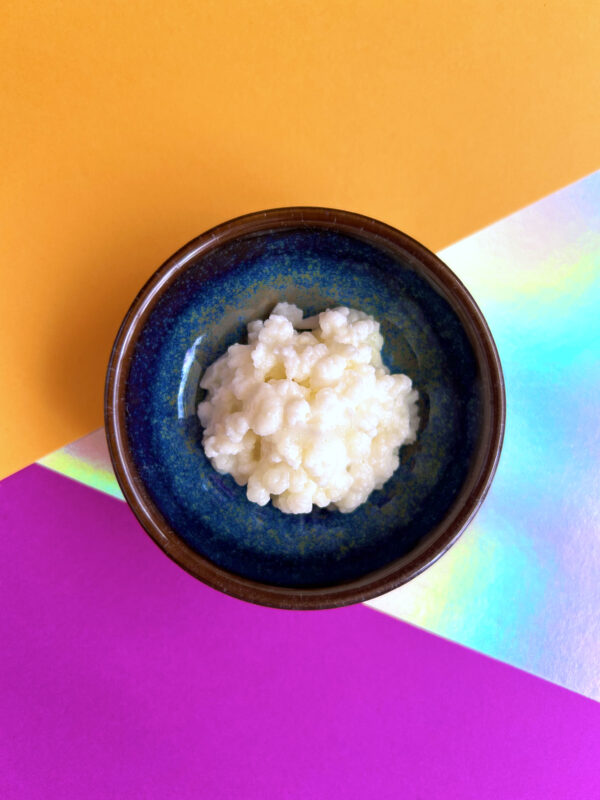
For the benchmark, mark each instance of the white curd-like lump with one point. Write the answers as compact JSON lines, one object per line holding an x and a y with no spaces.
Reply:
{"x":306,"y":413}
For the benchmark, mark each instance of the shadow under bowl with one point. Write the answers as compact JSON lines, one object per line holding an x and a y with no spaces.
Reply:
{"x":199,"y":302}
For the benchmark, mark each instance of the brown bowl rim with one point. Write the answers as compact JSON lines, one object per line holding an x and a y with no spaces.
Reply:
{"x":468,"y":500}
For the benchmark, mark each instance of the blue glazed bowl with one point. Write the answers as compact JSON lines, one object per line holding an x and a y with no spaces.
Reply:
{"x":199,"y":302}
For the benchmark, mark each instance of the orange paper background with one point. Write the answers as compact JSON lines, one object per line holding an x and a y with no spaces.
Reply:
{"x":128,"y":128}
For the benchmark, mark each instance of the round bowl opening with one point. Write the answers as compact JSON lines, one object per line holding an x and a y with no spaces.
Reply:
{"x":199,"y":302}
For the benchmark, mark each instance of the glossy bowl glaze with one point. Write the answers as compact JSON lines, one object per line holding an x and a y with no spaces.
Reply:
{"x":199,"y":302}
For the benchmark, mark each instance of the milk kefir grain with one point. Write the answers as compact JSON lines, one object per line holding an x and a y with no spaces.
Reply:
{"x":306,"y":413}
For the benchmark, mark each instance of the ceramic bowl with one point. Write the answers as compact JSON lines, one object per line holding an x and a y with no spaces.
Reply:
{"x":199,"y":302}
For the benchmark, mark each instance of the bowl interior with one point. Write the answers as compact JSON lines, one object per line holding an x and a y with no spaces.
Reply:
{"x":205,"y":309}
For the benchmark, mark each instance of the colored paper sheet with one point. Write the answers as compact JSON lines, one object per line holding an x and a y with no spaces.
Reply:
{"x":521,"y":584}
{"x":123,"y":677}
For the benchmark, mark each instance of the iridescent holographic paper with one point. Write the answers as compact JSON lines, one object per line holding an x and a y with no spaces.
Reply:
{"x":87,"y":461}
{"x":523,"y":583}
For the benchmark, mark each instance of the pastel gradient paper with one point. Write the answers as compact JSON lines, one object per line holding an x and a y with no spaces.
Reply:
{"x":522,"y":583}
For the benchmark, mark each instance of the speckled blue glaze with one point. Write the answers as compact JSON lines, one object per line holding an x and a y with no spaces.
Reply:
{"x":207,"y":310}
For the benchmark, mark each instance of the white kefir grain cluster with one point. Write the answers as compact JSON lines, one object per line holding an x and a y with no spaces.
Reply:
{"x":306,"y":413}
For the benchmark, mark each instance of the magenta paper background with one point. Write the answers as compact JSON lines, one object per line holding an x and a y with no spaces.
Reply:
{"x":123,"y":677}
